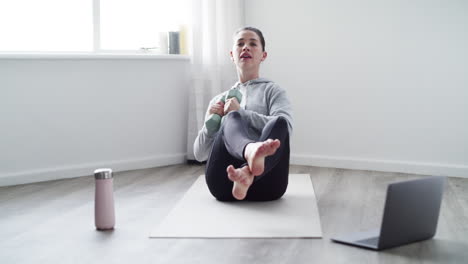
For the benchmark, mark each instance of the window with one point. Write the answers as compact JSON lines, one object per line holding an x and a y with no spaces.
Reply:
{"x":90,"y":25}
{"x":46,"y":25}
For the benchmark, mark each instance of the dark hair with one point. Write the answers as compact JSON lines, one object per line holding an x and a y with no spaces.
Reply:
{"x":257,"y":31}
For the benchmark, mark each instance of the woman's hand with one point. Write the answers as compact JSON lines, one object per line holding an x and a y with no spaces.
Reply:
{"x":231,"y":105}
{"x":217,"y":108}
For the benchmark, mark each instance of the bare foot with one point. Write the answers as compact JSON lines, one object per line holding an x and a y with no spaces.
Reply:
{"x":242,"y":179}
{"x":255,"y":154}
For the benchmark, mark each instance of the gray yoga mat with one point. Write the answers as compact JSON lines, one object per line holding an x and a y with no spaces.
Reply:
{"x":199,"y":215}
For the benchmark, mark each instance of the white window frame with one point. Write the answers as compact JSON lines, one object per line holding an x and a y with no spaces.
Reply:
{"x":96,"y":25}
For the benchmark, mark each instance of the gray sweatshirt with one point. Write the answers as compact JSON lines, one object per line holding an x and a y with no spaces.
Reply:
{"x":263,"y":101}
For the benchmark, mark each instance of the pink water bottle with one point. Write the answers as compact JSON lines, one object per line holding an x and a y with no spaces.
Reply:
{"x":104,"y":214}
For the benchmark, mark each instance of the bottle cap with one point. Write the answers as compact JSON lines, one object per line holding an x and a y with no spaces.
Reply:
{"x":103,"y":174}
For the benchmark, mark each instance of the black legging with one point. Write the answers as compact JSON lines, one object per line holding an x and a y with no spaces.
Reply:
{"x":228,"y":149}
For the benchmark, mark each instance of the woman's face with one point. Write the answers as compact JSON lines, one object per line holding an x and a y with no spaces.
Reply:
{"x":247,"y":52}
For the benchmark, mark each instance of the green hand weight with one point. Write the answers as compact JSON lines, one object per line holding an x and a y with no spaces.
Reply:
{"x":234,"y":93}
{"x":214,"y":121}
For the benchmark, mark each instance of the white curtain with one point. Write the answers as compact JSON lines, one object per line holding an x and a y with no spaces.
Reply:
{"x":213,"y":25}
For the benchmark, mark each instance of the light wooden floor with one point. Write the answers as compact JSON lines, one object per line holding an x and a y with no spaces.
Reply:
{"x":53,"y":222}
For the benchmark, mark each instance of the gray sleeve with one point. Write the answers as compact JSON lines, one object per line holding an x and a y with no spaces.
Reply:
{"x":204,"y":141}
{"x":278,"y":104}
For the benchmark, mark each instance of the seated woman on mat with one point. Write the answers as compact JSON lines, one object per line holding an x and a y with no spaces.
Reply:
{"x":248,"y":157}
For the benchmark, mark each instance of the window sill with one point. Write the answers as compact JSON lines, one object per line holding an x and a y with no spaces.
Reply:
{"x":93,"y":56}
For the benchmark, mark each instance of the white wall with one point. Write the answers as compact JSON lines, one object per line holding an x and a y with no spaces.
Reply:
{"x":379,"y":85}
{"x":65,"y":117}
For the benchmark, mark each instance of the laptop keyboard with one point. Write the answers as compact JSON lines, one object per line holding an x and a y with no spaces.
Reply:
{"x":369,"y":241}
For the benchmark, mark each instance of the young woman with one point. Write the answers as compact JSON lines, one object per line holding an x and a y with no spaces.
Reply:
{"x":248,"y":157}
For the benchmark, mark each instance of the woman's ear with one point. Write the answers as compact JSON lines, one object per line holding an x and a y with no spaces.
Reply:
{"x":265,"y":54}
{"x":232,"y":57}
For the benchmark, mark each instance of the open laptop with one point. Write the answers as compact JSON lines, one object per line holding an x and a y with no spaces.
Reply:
{"x":411,"y":213}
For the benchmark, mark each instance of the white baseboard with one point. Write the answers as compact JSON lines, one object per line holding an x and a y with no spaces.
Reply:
{"x":453,"y":170}
{"x":87,"y":169}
